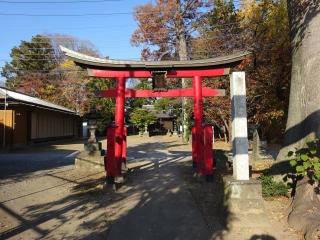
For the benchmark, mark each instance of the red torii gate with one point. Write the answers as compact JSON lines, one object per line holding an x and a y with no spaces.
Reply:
{"x":121,"y":70}
{"x":202,"y":135}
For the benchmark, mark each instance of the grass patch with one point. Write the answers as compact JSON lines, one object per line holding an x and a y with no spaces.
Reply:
{"x":271,"y":188}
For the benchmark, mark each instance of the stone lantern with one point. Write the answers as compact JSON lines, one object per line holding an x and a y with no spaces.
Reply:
{"x":92,"y":118}
{"x":92,"y":156}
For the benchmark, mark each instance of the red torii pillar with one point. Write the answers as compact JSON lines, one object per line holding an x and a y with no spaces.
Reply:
{"x":198,"y":120}
{"x":119,"y":122}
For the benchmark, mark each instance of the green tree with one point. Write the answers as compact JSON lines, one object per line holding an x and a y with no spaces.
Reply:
{"x":173,"y":105}
{"x":139,"y":102}
{"x":163,"y":104}
{"x":30,"y":66}
{"x":105,"y":106}
{"x":142,"y":117}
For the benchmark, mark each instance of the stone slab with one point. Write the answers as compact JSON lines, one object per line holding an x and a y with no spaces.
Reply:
{"x":244,"y":189}
{"x":245,"y":203}
{"x":89,"y":161}
{"x":90,"y":147}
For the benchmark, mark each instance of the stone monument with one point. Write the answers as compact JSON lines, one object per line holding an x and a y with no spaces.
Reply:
{"x":260,"y":159}
{"x":256,"y":146}
{"x":244,"y":193}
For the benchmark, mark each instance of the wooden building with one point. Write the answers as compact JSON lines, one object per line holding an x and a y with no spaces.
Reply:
{"x":27,"y":120}
{"x":165,"y":121}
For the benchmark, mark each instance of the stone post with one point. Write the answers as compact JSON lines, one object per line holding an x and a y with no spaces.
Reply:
{"x":84,"y":129}
{"x":256,"y":146}
{"x":239,"y":126}
{"x":146,"y":133}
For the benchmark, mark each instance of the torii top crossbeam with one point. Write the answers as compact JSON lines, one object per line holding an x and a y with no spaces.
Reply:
{"x":99,"y":67}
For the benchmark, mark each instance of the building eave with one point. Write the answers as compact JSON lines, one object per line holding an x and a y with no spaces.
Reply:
{"x":32,"y":101}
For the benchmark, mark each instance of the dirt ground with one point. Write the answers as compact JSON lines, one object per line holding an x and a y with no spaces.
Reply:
{"x":42,"y":196}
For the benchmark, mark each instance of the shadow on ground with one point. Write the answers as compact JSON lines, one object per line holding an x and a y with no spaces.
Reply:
{"x":17,"y":166}
{"x":162,"y":199}
{"x":19,"y":163}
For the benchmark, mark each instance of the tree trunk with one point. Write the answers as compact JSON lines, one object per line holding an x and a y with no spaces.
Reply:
{"x":303,"y":122}
{"x":304,"y":106}
{"x":305,"y":210}
{"x":183,"y":55}
{"x":230,"y":130}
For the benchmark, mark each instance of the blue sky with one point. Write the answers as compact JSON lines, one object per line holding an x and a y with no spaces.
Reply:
{"x":110,"y":34}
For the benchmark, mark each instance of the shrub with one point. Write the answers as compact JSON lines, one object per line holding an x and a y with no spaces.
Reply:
{"x":306,"y":161}
{"x":271,"y":188}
